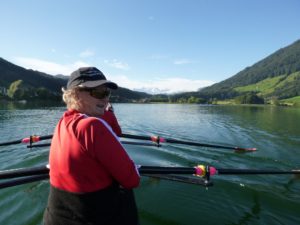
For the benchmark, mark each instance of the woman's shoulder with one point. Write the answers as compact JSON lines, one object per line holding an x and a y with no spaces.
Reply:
{"x":89,"y":121}
{"x":93,"y":125}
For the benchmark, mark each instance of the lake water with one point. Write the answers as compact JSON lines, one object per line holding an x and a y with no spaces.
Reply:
{"x":233,"y":199}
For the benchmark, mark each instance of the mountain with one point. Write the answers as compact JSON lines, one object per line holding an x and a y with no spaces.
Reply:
{"x":277,"y":75}
{"x":10,"y":72}
{"x":36,"y":80}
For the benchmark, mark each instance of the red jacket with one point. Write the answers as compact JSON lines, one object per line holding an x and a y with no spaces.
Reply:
{"x":86,"y":156}
{"x":111,"y":119}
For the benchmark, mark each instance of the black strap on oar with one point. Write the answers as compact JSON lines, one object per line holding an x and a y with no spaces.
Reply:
{"x":158,"y":139}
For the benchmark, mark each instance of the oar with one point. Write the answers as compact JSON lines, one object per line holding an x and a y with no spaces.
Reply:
{"x":155,"y":139}
{"x":31,"y":139}
{"x":23,"y":180}
{"x":200,"y":170}
{"x":21,"y":172}
{"x":33,"y":178}
{"x":123,"y":142}
{"x":158,"y":140}
{"x":27,"y":175}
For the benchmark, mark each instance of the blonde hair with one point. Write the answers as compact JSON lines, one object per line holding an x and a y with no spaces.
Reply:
{"x":70,"y":97}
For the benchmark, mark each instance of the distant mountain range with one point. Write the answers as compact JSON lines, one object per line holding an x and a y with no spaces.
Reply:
{"x":276,"y":76}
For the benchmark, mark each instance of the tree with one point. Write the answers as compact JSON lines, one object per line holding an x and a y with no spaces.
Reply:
{"x":249,"y":98}
{"x":15,"y":90}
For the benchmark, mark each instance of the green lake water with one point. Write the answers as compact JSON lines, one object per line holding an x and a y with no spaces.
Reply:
{"x":232,"y":200}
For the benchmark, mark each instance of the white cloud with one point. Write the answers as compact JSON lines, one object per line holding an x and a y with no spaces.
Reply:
{"x":154,"y":86}
{"x":167,"y":85}
{"x":117,"y":64}
{"x":48,"y":67}
{"x":87,"y":53}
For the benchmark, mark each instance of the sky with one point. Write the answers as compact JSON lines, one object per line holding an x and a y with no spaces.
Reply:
{"x":156,"y":46}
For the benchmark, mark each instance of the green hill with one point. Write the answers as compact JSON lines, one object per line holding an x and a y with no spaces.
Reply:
{"x":276,"y":76}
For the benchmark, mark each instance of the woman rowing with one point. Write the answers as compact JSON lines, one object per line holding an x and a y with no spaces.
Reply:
{"x":91,"y":176}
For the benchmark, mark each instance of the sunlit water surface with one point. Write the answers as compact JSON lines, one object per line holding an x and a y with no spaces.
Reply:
{"x":233,"y":199}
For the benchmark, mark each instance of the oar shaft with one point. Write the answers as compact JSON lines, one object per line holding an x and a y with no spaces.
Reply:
{"x":140,"y":143}
{"x":183,"y":179}
{"x":11,"y":143}
{"x":46,"y":137}
{"x":27,"y":140}
{"x":123,"y":142}
{"x":138,"y":137}
{"x":175,"y":141}
{"x":23,"y":180}
{"x":254,"y":172}
{"x":21,"y":172}
{"x":166,"y":170}
{"x":198,"y":144}
{"x":156,"y":139}
{"x":13,"y":173}
{"x":34,"y":178}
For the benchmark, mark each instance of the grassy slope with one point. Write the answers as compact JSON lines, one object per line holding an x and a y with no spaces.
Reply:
{"x":267,"y":86}
{"x":291,"y":101}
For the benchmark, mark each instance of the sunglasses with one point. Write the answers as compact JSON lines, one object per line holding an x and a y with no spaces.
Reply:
{"x":99,"y":94}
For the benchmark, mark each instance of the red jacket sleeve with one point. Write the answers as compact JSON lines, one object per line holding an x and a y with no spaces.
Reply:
{"x":111,"y":119}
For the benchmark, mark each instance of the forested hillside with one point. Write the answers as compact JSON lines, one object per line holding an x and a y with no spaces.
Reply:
{"x":275,"y":76}
{"x":10,"y":72}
